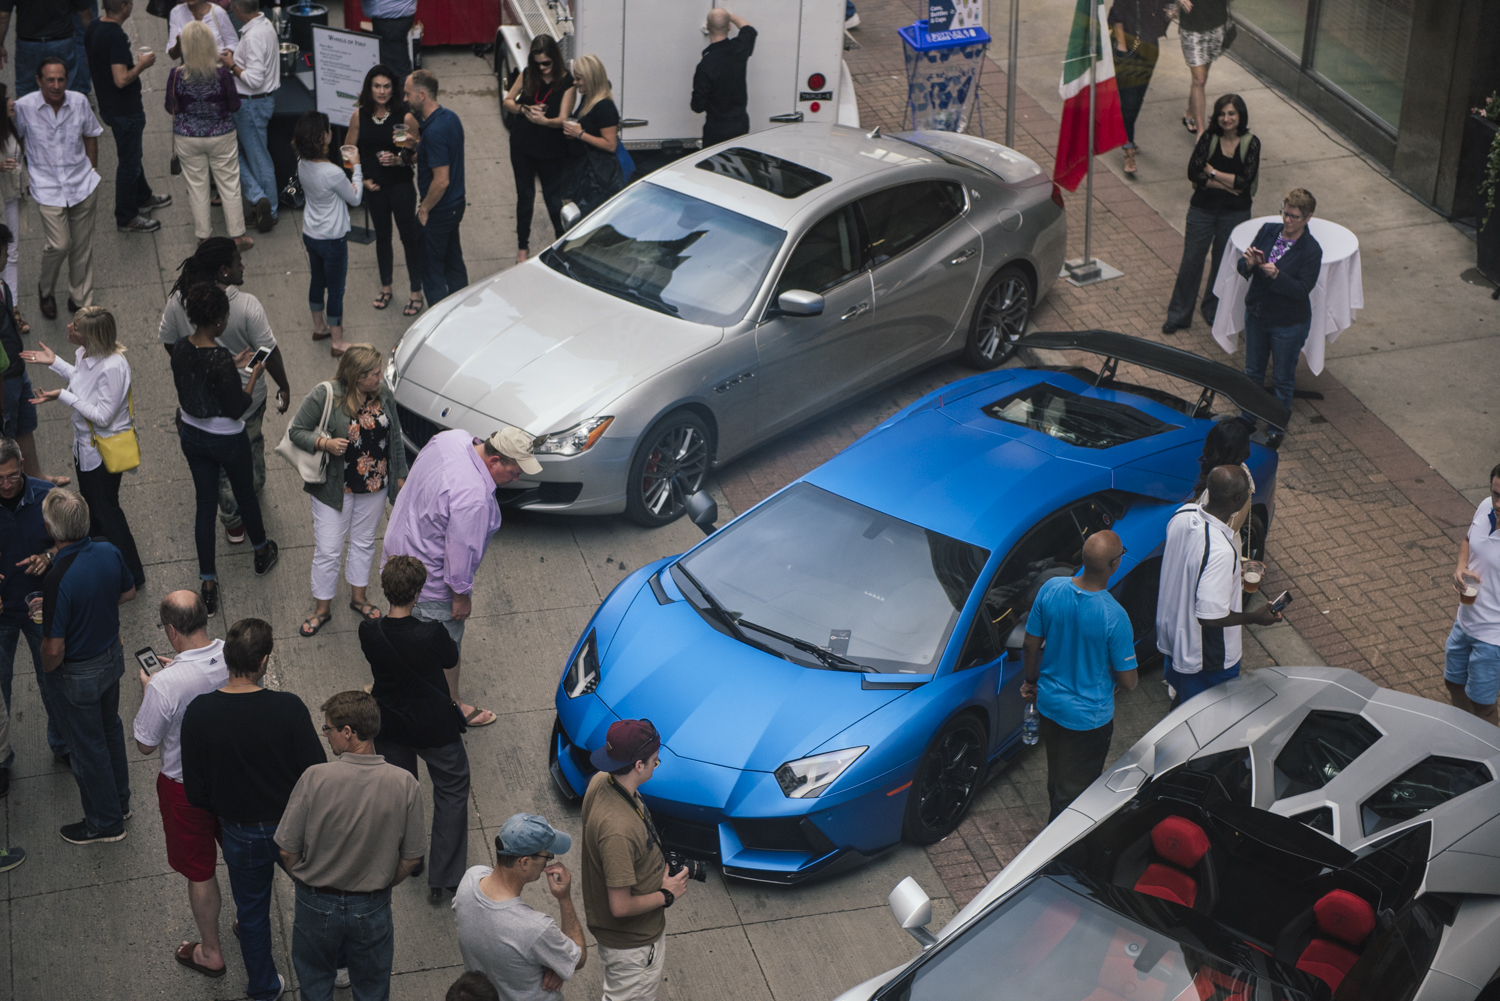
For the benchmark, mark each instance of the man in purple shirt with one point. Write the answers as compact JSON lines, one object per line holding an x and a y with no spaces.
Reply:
{"x":445,"y":516}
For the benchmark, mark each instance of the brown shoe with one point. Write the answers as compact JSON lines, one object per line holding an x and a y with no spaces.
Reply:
{"x":49,"y":304}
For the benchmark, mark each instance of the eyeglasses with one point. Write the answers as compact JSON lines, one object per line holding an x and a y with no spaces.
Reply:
{"x":329,"y":729}
{"x":12,"y":478}
{"x":545,"y":856}
{"x":1292,"y":215}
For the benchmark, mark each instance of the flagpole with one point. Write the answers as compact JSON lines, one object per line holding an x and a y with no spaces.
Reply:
{"x":1089,"y":269}
{"x":1010,"y":75}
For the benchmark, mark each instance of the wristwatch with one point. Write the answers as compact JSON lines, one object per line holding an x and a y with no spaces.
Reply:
{"x":669,"y":898}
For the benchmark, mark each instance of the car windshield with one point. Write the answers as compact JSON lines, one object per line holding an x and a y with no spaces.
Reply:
{"x":816,"y":567}
{"x":672,"y":253}
{"x":1047,"y":943}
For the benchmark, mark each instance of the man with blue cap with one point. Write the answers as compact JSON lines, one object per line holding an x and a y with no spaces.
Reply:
{"x":523,"y":951}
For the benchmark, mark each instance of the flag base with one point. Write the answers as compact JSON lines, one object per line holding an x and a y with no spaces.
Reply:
{"x":1080,"y":273}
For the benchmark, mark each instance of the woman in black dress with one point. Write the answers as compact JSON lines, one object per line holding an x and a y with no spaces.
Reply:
{"x":594,"y":172}
{"x":540,"y":101}
{"x":388,"y":180}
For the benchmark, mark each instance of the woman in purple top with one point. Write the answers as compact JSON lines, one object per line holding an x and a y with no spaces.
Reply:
{"x":202,"y":98}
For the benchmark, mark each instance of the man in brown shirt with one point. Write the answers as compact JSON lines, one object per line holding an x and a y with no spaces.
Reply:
{"x":626,"y":889}
{"x":352,"y":830}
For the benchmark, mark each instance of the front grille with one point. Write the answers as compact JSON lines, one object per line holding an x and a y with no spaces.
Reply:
{"x":783,"y":834}
{"x":546,"y":492}
{"x":416,"y":427}
{"x":688,"y":836}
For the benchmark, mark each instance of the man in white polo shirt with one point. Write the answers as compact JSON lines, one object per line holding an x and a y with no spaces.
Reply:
{"x":1198,"y":607}
{"x":1472,"y":654}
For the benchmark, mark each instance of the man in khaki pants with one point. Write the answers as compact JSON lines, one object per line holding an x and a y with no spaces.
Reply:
{"x":62,"y":153}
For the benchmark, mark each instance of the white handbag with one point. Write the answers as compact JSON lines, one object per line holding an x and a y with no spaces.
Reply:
{"x":312,"y":466}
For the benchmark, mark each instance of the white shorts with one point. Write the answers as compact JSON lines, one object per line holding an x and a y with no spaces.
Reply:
{"x":634,"y":974}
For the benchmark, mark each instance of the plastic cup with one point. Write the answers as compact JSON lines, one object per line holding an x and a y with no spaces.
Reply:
{"x":398,"y":135}
{"x":34,"y":606}
{"x":1471,"y":592}
{"x":349,"y":153}
{"x":144,"y":50}
{"x":1252,"y":572}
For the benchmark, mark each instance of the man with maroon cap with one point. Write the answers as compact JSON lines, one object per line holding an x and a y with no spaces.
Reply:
{"x":626,"y":889}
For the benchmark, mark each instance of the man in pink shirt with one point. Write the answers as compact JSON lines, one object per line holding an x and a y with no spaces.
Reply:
{"x":445,"y":516}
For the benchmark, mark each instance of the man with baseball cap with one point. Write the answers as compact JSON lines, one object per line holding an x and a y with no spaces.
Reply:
{"x":445,"y":516}
{"x":523,"y":951}
{"x":626,"y":889}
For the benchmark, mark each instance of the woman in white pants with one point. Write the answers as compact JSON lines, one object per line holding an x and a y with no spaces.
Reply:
{"x":366,"y":466}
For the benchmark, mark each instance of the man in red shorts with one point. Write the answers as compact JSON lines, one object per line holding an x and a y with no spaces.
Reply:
{"x":192,"y":833}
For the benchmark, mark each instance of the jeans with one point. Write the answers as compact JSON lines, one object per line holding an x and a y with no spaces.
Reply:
{"x":1207,"y":233}
{"x":20,"y":413}
{"x":398,"y":202}
{"x":29,"y":56}
{"x":229,"y":511}
{"x":257,"y":174}
{"x":1075,"y":758}
{"x":360,"y":927}
{"x":328,"y":267}
{"x":251,"y":856}
{"x":1196,"y":683}
{"x":207,"y":454}
{"x":87,"y":693}
{"x":448,"y":768}
{"x":446,"y":272}
{"x":79,"y":78}
{"x":1133,"y":72}
{"x":528,"y":170}
{"x":393,"y":46}
{"x":1280,"y":345}
{"x":1473,"y":664}
{"x":101,"y":489}
{"x":10,"y":639}
{"x":131,"y":188}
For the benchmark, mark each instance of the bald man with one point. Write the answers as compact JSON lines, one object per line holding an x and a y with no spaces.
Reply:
{"x":719,"y":92}
{"x":1199,"y":605}
{"x":1091,"y":654}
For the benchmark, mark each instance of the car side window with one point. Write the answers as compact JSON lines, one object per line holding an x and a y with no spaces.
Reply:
{"x":829,"y":254}
{"x":899,"y":218}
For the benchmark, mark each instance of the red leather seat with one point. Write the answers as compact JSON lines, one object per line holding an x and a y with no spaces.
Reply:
{"x":1183,"y":844}
{"x":1346,"y":920}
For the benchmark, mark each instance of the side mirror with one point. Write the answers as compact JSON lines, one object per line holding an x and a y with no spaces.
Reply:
{"x":703,"y":511}
{"x":795,"y":302}
{"x":570,"y":215}
{"x":912,"y":909}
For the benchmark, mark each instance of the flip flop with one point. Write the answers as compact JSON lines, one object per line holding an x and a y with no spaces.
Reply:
{"x":316,"y":621}
{"x":469,"y":719}
{"x":1189,"y":124}
{"x":365,"y":609}
{"x":188,"y":961}
{"x":382,"y":300}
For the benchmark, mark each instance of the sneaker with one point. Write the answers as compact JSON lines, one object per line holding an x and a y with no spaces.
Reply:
{"x":157,"y":202}
{"x":341,"y":978}
{"x":11,"y":857}
{"x":128,"y":815}
{"x":140,"y":224}
{"x":265,"y":558}
{"x":81,"y":834}
{"x":852,"y":21}
{"x":280,"y":990}
{"x":236,"y":534}
{"x":264,"y":220}
{"x":210,"y":592}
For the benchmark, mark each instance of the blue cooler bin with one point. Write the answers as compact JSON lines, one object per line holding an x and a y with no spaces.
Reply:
{"x":942,"y":76}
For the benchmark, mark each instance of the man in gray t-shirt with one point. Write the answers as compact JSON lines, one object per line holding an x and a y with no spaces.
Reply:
{"x":523,"y":951}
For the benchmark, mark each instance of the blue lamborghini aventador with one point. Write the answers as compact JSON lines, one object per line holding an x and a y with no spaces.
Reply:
{"x":838,"y":668}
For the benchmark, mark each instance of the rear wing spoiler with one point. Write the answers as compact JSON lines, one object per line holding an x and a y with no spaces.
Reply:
{"x":1214,"y":378}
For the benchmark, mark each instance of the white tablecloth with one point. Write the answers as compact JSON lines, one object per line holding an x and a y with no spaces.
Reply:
{"x":1339,"y":293}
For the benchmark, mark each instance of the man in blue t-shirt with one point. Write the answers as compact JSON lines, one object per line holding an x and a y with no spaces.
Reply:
{"x":117,"y":86}
{"x":1091,"y":650}
{"x":440,"y":181}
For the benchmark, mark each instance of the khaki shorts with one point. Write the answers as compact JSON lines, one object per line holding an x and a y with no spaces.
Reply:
{"x":633,"y":974}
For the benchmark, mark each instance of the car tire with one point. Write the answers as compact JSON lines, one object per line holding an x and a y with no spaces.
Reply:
{"x":670,"y":463}
{"x":999,"y":319}
{"x":946,"y":781}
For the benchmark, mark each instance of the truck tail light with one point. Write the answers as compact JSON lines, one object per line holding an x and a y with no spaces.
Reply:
{"x":816,"y":81}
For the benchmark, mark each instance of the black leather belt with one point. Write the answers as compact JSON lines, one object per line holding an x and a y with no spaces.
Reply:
{"x":254,"y":97}
{"x":60,"y":38}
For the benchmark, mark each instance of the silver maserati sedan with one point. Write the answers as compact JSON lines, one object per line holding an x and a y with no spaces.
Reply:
{"x":729,"y":296}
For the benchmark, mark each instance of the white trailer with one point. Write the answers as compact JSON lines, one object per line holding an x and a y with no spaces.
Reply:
{"x":651,"y":47}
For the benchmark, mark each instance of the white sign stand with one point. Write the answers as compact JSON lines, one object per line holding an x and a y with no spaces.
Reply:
{"x":340,"y":61}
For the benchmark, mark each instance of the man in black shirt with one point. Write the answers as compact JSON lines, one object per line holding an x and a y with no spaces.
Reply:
{"x":719,"y":92}
{"x":243,"y":750}
{"x":43,"y":28}
{"x":117,"y":81}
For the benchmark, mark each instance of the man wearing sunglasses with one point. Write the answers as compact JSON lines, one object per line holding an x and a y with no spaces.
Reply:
{"x":523,"y":951}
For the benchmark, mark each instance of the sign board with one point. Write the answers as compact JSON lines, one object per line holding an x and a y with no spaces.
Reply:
{"x":968,"y":14}
{"x":340,"y":61}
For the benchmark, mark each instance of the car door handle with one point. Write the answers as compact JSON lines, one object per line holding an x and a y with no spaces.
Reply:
{"x":795,"y":116}
{"x":863,"y":307}
{"x":964,"y":256}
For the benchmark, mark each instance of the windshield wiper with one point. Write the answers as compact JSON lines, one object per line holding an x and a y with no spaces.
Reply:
{"x":561,"y":262}
{"x":730,"y":620}
{"x":828,"y":658}
{"x":649,"y":301}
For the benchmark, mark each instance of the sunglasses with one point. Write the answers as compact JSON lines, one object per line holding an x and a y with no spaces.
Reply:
{"x":541,"y":62}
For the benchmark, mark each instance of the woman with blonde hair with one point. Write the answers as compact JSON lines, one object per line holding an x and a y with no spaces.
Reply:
{"x":594,"y":173}
{"x":202,"y":99}
{"x":366,"y":466}
{"x":99,"y":392}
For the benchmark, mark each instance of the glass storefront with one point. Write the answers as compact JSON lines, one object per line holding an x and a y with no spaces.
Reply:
{"x":1285,"y":21}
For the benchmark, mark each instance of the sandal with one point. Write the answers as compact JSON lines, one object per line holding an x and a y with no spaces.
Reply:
{"x":365,"y":609}
{"x":413,"y":307}
{"x":21,"y":324}
{"x":470,"y":719}
{"x":186,"y":959}
{"x":316,"y":621}
{"x":382,"y":300}
{"x":1189,"y":124}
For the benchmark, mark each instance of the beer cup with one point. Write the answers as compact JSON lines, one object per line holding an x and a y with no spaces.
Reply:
{"x":1471,"y":592}
{"x":1252,"y":572}
{"x":349,"y":153}
{"x":34,"y":606}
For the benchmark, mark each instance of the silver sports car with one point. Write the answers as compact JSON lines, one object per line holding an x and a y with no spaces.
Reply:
{"x":1299,"y":834}
{"x":730,"y":296}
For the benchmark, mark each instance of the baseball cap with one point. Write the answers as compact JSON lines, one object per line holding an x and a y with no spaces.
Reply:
{"x":527,"y":834}
{"x":628,"y":741}
{"x":513,"y":443}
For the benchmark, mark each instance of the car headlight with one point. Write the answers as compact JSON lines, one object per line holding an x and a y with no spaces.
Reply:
{"x":575,"y":440}
{"x":390,"y":370}
{"x":806,"y":778}
{"x":583,"y":673}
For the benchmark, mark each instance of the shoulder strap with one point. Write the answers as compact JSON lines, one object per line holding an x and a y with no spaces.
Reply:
{"x":129,"y":404}
{"x":380,"y":630}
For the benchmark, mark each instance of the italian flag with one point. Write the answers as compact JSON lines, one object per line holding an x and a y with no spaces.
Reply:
{"x":1109,"y":129}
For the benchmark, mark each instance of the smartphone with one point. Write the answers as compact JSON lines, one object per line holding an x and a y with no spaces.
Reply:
{"x":261,"y":354}
{"x":146,"y":657}
{"x":1281,"y":601}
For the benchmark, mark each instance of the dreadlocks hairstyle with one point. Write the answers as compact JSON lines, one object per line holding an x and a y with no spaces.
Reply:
{"x":214,"y":254}
{"x":205,"y":304}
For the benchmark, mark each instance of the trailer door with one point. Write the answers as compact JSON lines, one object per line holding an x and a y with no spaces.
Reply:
{"x":662,"y":44}
{"x":771,"y":76}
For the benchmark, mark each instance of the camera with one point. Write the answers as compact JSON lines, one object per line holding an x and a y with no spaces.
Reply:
{"x":696,"y":870}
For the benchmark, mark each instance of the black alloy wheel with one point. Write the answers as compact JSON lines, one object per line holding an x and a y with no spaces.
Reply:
{"x":947,"y":780}
{"x":669,"y":465}
{"x":999,"y":319}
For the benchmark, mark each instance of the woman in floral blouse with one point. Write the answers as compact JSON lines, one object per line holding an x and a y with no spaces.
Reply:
{"x":366,"y":466}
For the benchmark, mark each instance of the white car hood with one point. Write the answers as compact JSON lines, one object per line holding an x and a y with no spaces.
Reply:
{"x":534,"y":349}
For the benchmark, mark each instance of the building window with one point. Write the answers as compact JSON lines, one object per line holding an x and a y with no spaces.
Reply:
{"x":1284,"y":21}
{"x":1361,"y":49}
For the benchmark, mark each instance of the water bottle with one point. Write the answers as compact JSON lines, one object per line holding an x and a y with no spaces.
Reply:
{"x":1031,"y":725}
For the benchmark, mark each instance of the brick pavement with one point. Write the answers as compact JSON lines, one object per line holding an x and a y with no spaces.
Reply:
{"x":1365,"y":531}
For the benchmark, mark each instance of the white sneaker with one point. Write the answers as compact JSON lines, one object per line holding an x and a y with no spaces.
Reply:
{"x":341,"y":979}
{"x":280,"y":990}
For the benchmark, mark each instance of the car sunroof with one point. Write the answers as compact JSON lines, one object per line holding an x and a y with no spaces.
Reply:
{"x":764,"y":171}
{"x":1077,"y":420}
{"x":1324,"y":745}
{"x":1419,"y":789}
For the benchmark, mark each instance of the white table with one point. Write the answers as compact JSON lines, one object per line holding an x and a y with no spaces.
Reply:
{"x":1339,"y":293}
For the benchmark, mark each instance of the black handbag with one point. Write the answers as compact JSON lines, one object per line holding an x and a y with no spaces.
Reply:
{"x":160,"y":8}
{"x":463,"y":724}
{"x":594,"y":179}
{"x":1231,"y":32}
